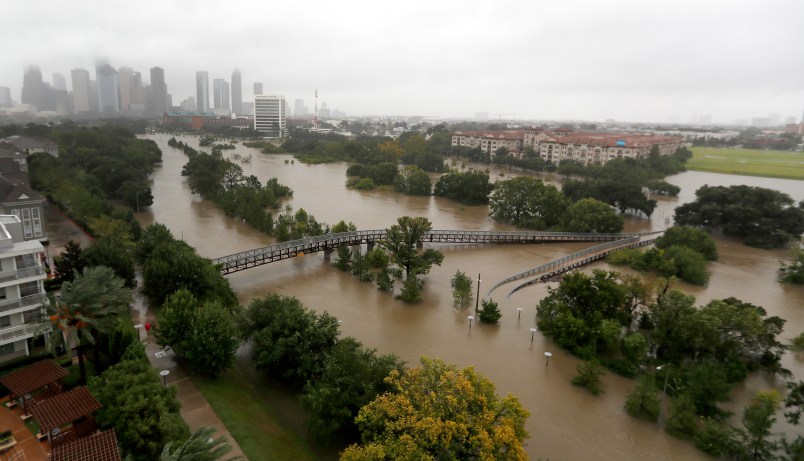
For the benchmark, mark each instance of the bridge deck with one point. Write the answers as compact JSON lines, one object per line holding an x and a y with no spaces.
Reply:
{"x":266,"y":255}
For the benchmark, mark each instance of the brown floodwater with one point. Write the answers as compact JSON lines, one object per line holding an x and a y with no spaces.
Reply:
{"x":566,"y":422}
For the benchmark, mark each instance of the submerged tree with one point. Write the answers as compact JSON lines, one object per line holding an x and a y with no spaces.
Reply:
{"x":461,"y":289}
{"x":400,"y":244}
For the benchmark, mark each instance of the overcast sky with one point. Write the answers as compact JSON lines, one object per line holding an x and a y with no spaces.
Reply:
{"x":529,"y":59}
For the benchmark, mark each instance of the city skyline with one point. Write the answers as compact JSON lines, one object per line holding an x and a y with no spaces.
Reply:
{"x":578,"y":60}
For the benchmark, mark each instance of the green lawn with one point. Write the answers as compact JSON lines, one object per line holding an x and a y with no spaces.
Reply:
{"x":260,"y":416}
{"x":748,"y":162}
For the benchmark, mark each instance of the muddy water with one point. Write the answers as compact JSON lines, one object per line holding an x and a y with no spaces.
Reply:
{"x":566,"y":423}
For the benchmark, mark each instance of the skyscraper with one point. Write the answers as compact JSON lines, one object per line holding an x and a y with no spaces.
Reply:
{"x":270,"y":115}
{"x":81,"y":91}
{"x":108,"y":88}
{"x":298,"y":108}
{"x":257,"y":88}
{"x":237,"y":92}
{"x":220,"y":94}
{"x":158,"y":100}
{"x":5,"y":96}
{"x":125,"y":76}
{"x":34,"y":90}
{"x":59,"y":82}
{"x":202,"y":90}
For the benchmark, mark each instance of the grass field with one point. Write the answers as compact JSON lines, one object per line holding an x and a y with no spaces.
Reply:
{"x":263,"y":419}
{"x":748,"y":162}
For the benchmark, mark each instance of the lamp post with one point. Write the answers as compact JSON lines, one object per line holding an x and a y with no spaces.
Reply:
{"x":518,"y":314}
{"x":548,"y":355}
{"x":139,"y":335}
{"x":664,"y":391}
{"x":532,"y":332}
{"x":477,"y":298}
{"x":471,"y":317}
{"x":164,"y":374}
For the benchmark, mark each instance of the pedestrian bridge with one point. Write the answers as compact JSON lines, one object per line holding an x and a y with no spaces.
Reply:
{"x":326,"y":243}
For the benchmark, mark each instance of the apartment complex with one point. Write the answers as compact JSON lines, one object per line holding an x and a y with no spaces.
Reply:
{"x":566,"y":144}
{"x":270,"y":115}
{"x":22,"y":293}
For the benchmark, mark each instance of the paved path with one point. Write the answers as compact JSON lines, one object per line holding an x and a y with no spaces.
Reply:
{"x":195,"y":409}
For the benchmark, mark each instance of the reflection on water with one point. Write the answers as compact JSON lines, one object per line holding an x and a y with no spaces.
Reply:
{"x":566,"y":422}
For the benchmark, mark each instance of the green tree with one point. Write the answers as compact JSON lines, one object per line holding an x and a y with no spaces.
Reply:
{"x":590,"y":215}
{"x":352,"y":376}
{"x":153,"y":235}
{"x":527,"y":202}
{"x":470,"y":187}
{"x":643,"y":400}
{"x":489,"y":311}
{"x":400,"y":244}
{"x":87,"y":306}
{"x":461,"y":289}
{"x":681,"y":417}
{"x":279,"y":328}
{"x":754,"y":439}
{"x":115,"y":255}
{"x":71,"y":262}
{"x":143,"y":412}
{"x":440,"y":411}
{"x":412,"y":180}
{"x":793,"y":271}
{"x":199,"y":447}
{"x":689,"y":237}
{"x":589,"y":376}
{"x":203,"y":334}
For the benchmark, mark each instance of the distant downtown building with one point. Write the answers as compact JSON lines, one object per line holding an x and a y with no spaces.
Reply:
{"x":220,"y":94}
{"x":108,"y":88}
{"x":237,"y":92}
{"x":81,"y":91}
{"x":5,"y":96}
{"x":270,"y":115}
{"x":202,"y":90}
{"x":157,"y":97}
{"x":257,"y":88}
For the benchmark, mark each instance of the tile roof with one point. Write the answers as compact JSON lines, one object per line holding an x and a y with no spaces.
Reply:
{"x":101,"y":446}
{"x":513,"y":135}
{"x":64,"y":408}
{"x":613,"y":140}
{"x":33,"y":377}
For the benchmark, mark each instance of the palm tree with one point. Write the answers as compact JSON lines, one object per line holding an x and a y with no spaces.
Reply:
{"x":199,"y":447}
{"x":86,"y":307}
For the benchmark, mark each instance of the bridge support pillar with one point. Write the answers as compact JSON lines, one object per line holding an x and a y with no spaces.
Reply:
{"x":327,"y":253}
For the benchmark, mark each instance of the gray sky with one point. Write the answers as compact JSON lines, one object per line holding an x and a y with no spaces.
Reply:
{"x":592,"y":60}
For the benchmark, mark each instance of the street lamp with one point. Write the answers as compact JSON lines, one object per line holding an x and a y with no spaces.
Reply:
{"x":471,"y":317}
{"x":548,"y":355}
{"x":518,"y":314}
{"x":532,"y":332}
{"x":164,"y":374}
{"x":664,"y":391}
{"x":139,"y":336}
{"x":477,"y":298}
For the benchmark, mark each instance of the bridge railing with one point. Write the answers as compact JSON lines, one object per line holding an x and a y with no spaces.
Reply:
{"x":560,"y":262}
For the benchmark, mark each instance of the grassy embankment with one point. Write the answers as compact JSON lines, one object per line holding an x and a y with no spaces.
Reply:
{"x":265,"y":420}
{"x":748,"y":162}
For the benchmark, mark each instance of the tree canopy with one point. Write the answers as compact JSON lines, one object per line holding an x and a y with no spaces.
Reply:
{"x":527,"y":202}
{"x":470,"y":187}
{"x":400,"y":244}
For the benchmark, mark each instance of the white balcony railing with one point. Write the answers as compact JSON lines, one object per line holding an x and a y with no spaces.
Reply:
{"x":22,"y":330}
{"x":17,"y":274}
{"x":16,"y":303}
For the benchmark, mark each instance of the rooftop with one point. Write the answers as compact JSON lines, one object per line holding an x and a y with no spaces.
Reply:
{"x":64,"y":408}
{"x":33,"y":377}
{"x":101,"y":446}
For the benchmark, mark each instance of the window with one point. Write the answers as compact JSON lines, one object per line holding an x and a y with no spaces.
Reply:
{"x":32,"y":316}
{"x":37,"y":222}
{"x":24,"y":261}
{"x":6,"y":349}
{"x":5,"y":321}
{"x":29,"y":288}
{"x":26,"y":222}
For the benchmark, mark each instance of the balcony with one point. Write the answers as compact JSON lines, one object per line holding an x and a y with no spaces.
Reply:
{"x":11,"y":304}
{"x":22,"y":330}
{"x":7,"y":276}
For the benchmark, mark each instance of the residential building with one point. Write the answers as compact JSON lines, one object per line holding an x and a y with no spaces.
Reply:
{"x":17,"y":198}
{"x":108,"y":88}
{"x":22,"y":293}
{"x":202,"y":90}
{"x":81,"y":91}
{"x":220,"y":94}
{"x":490,"y":141}
{"x":199,"y":120}
{"x":237,"y":93}
{"x":31,"y":145}
{"x":587,"y":148}
{"x":270,"y":115}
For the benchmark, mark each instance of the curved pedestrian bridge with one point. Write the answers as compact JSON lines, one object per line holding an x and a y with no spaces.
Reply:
{"x":326,"y":243}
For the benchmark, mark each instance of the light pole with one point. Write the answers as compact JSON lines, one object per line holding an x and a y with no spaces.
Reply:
{"x":664,"y":391}
{"x":477,"y":298}
{"x":518,"y":314}
{"x":471,"y":317}
{"x":164,"y":374}
{"x":532,"y":332}
{"x":139,"y":336}
{"x":548,"y":355}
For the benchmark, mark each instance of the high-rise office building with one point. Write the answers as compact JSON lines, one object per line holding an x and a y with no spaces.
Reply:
{"x":220,"y":94}
{"x":202,"y":90}
{"x":299,"y":109}
{"x":159,"y":100}
{"x":270,"y":115}
{"x":81,"y":91}
{"x":108,"y":88}
{"x":34,"y":90}
{"x":237,"y":92}
{"x":59,"y":82}
{"x":257,"y":88}
{"x":125,"y":77}
{"x":5,"y":96}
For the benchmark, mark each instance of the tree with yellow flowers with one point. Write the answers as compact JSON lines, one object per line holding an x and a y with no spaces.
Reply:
{"x":437,"y":411}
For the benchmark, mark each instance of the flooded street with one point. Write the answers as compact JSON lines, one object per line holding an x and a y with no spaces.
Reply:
{"x":567,"y":422}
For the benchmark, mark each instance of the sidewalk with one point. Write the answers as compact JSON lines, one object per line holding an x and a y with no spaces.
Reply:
{"x":195,"y":410}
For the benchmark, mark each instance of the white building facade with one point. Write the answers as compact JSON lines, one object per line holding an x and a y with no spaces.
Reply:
{"x":22,"y":291}
{"x":270,"y":115}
